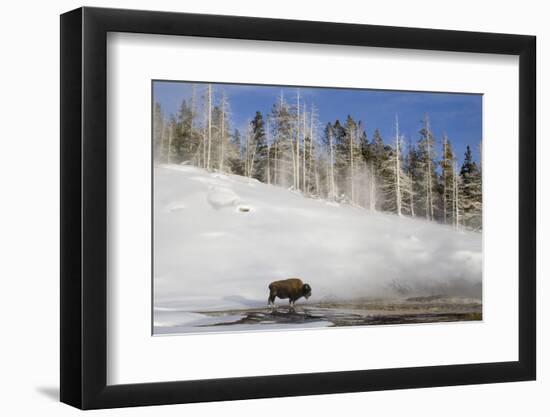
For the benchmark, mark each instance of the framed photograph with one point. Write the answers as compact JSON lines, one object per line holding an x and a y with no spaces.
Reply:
{"x":257,"y":208}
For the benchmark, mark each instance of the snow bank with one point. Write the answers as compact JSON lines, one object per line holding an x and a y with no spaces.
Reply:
{"x":210,"y":253}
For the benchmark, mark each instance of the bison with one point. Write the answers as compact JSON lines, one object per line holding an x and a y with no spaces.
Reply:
{"x":292,"y":288}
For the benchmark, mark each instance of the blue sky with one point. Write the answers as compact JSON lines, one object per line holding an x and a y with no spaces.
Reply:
{"x":457,"y":115}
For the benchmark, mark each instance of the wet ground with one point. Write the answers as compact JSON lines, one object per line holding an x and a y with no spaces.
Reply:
{"x":412,"y":310}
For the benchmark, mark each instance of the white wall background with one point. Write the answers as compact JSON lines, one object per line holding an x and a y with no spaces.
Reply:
{"x":29,"y":225}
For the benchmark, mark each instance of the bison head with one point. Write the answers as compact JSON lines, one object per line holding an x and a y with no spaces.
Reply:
{"x":306,"y":290}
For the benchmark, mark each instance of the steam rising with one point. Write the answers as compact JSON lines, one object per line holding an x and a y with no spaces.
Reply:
{"x":209,"y":254}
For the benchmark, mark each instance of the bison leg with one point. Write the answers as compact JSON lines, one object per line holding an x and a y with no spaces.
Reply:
{"x":271,"y":299}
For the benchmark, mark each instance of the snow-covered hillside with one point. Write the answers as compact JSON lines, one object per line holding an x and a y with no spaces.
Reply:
{"x":219,"y":240}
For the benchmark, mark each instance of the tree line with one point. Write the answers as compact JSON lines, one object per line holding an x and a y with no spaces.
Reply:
{"x":289,"y":147}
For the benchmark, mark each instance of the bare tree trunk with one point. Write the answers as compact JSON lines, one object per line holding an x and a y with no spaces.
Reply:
{"x":251,"y":151}
{"x":372,"y":188}
{"x":317,"y":185}
{"x":268,"y":165}
{"x":252,"y":158}
{"x":351,"y":134}
{"x":222,"y":134}
{"x":204,"y":146}
{"x":297,"y":160}
{"x":304,"y":150}
{"x":329,"y":194}
{"x":311,"y":143}
{"x":192,"y":125}
{"x":444,"y":174}
{"x":209,"y":125}
{"x":429,"y":185}
{"x":246,"y":154}
{"x":170,"y":132}
{"x":411,"y":193}
{"x":397,"y":169}
{"x":331,"y":165}
{"x":276,"y":165}
{"x":158,"y":157}
{"x":294,"y":175}
{"x":267,"y":130}
{"x":455,"y":196}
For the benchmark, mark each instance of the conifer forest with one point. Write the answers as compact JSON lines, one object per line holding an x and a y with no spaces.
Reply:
{"x":335,"y":160}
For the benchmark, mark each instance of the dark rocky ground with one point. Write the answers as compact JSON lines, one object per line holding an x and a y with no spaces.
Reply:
{"x":431,"y":309}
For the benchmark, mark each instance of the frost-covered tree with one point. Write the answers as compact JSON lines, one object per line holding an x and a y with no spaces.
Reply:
{"x":347,"y":158}
{"x":282,"y":135}
{"x":352,"y":129}
{"x":223,"y":127}
{"x":296,"y":147}
{"x":426,"y":165}
{"x":249,"y":150}
{"x":372,"y":186}
{"x":209,"y":126}
{"x":457,"y":207}
{"x":329,"y":142}
{"x":310,"y":178}
{"x":269,"y":143}
{"x":398,"y":186}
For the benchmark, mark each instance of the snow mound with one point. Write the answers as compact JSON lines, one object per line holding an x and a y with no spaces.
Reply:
{"x":219,"y":197}
{"x":174,"y":206}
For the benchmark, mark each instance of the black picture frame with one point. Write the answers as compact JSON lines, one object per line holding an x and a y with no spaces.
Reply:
{"x":84,"y":207}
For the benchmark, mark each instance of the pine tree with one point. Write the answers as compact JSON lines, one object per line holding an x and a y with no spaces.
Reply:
{"x":378,"y":151}
{"x":379,"y":154}
{"x":158,"y":131}
{"x":364,"y":147}
{"x":447,"y":179}
{"x":259,"y":143}
{"x":347,"y":157}
{"x":184,"y":141}
{"x":413,"y":172}
{"x":471,"y":191}
{"x":234,"y":157}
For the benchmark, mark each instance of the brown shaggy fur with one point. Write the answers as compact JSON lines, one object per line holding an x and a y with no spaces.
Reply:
{"x":292,"y":288}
